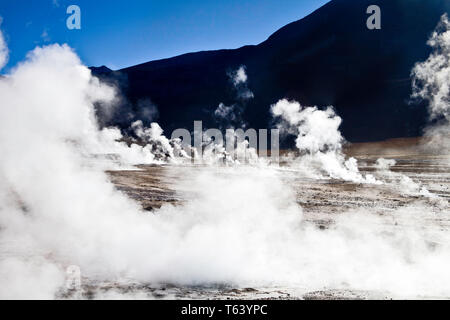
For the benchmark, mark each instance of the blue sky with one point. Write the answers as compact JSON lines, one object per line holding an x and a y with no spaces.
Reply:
{"x":121,"y":33}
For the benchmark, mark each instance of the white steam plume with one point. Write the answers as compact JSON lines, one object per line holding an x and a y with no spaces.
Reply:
{"x":239,"y":76}
{"x":4,"y":52}
{"x":72,"y":115}
{"x":239,"y":79}
{"x":318,"y":140}
{"x":432,"y":77}
{"x":232,"y":116}
{"x":431,"y":82}
{"x":404,"y":183}
{"x":320,"y":144}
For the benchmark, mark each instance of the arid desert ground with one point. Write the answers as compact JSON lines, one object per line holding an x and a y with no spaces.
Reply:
{"x":323,"y":201}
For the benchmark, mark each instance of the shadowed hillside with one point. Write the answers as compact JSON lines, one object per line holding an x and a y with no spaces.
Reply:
{"x":327,"y":58}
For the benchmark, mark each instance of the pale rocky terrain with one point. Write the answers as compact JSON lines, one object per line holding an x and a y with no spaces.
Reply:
{"x":322,"y":201}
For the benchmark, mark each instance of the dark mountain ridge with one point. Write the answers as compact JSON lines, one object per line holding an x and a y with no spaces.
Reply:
{"x":327,"y":58}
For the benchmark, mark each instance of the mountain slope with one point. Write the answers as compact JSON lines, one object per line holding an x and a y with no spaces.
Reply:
{"x":327,"y":58}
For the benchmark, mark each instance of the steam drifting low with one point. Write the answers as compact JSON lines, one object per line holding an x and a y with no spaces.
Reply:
{"x":241,"y":225}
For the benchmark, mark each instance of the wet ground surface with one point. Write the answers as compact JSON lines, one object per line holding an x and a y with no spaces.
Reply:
{"x":322,"y":201}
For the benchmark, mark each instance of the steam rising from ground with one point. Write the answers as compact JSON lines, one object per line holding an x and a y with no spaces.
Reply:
{"x":231,"y":116}
{"x":239,"y":79}
{"x":4,"y":52}
{"x":318,"y":140}
{"x":431,"y":82}
{"x":240,"y":226}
